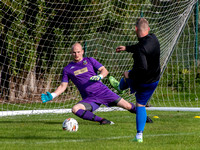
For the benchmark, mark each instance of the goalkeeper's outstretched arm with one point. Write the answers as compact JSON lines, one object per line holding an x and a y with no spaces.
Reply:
{"x":49,"y":96}
{"x":61,"y":88}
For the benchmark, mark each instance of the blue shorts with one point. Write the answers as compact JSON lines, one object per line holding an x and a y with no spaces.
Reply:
{"x":143,"y":92}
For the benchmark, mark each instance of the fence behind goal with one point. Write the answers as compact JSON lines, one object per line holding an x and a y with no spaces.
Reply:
{"x":36,"y":39}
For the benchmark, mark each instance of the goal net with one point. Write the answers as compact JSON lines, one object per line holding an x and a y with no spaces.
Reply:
{"x":36,"y":39}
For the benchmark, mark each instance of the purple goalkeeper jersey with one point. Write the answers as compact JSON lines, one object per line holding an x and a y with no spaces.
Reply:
{"x":80,"y":74}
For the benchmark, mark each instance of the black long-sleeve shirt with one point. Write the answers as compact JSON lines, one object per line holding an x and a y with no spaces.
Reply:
{"x":146,"y":55}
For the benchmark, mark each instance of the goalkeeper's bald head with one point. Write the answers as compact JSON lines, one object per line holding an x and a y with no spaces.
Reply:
{"x":76,"y":45}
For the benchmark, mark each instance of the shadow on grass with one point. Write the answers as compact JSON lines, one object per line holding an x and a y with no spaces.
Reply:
{"x":83,"y":122}
{"x":72,"y":137}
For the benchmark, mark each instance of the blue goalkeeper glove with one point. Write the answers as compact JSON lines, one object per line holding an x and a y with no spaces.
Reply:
{"x":46,"y":97}
{"x":96,"y":78}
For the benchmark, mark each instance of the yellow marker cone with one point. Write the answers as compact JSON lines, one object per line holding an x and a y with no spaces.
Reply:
{"x":155,"y":117}
{"x":196,"y":116}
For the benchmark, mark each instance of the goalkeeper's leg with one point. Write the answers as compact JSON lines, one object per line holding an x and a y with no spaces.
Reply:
{"x":85,"y":111}
{"x":131,"y":108}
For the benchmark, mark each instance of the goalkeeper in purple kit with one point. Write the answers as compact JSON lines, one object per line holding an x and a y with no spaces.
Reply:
{"x":83,"y":73}
{"x":143,"y":78}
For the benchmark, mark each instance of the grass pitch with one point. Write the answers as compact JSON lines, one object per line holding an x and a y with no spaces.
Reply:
{"x":171,"y":131}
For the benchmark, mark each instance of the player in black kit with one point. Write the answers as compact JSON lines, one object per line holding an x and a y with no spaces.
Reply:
{"x":143,"y":78}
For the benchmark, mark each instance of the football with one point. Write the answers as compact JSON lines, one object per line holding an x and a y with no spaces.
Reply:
{"x":70,"y":124}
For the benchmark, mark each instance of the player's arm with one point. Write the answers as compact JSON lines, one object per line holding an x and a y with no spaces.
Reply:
{"x":61,"y":88}
{"x":120,"y":48}
{"x":103,"y":73}
{"x":49,"y":96}
{"x":126,"y":74}
{"x":131,"y":48}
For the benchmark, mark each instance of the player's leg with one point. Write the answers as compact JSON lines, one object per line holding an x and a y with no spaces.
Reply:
{"x":131,"y":108}
{"x":126,"y":105}
{"x":119,"y":86}
{"x":85,"y":111}
{"x":142,"y":97}
{"x":141,"y":117}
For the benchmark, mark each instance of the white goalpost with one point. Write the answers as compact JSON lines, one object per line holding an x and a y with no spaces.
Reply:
{"x":36,"y":38}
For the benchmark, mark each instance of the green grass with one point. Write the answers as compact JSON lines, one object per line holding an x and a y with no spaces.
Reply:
{"x":171,"y":131}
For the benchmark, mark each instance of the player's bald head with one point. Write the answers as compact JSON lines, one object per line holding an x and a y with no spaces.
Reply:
{"x":77,"y":52}
{"x":77,"y":46}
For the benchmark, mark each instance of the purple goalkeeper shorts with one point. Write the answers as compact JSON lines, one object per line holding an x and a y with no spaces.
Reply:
{"x":105,"y":97}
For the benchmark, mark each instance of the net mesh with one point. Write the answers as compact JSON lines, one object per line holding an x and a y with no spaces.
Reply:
{"x":36,"y":39}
